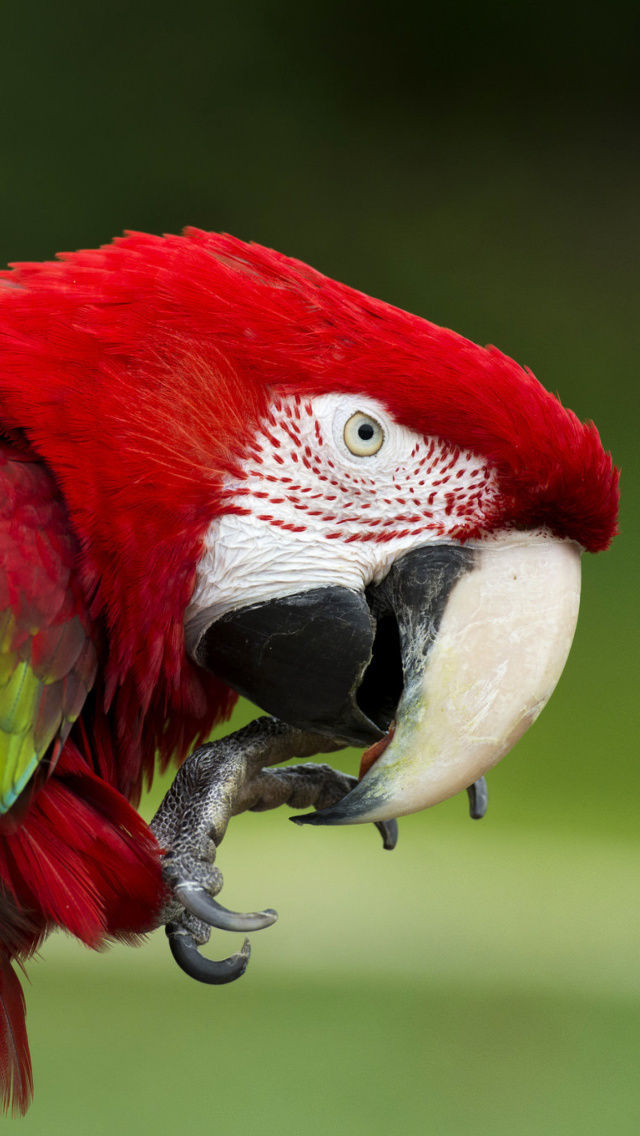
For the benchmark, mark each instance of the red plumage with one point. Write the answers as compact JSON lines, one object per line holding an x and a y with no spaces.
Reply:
{"x":135,"y":374}
{"x":15,"y":1062}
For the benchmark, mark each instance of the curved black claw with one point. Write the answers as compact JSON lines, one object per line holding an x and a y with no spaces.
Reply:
{"x":478,"y":799}
{"x":200,"y":903}
{"x":388,"y":830}
{"x":216,"y":973}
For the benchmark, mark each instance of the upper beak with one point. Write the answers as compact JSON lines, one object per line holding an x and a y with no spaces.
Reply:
{"x":499,"y":651}
{"x":461,"y":645}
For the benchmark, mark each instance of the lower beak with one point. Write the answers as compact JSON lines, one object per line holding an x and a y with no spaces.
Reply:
{"x":476,"y":678}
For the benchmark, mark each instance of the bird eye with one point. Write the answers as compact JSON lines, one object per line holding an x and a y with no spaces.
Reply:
{"x":363,"y":435}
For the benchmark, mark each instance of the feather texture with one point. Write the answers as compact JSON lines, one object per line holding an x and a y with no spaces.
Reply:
{"x":47,"y":657}
{"x":83,"y":860}
{"x":73,"y":852}
{"x":16,"y":1078}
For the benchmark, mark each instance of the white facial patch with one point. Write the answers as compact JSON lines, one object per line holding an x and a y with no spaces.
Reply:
{"x":308,"y":512}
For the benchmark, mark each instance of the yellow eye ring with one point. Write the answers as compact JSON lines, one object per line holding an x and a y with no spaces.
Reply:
{"x":363,"y":436}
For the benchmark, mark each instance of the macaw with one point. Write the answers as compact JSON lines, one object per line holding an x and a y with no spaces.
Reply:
{"x":222,"y":473}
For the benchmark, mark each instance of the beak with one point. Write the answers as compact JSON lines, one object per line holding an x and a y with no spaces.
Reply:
{"x":331,"y":660}
{"x":474,"y":688}
{"x":460,"y":646}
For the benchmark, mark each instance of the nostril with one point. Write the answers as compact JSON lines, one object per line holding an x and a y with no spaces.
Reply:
{"x":381,"y":688}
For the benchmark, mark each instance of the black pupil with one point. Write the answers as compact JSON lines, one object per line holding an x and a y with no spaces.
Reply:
{"x":365,"y":431}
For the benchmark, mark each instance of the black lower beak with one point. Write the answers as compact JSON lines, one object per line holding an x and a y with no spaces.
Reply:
{"x":331,"y":660}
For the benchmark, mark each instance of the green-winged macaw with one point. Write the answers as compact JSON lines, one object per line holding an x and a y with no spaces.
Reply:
{"x":224,"y":472}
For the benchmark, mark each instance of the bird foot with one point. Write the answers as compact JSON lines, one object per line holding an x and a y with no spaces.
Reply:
{"x":220,"y":780}
{"x":189,"y":825}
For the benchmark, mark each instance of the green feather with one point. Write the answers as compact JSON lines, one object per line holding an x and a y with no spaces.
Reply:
{"x":20,"y":694}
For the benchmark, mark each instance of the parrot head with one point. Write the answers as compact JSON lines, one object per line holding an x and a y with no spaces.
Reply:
{"x":364,"y":523}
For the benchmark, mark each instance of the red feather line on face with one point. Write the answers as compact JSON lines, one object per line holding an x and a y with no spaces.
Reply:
{"x":139,"y":372}
{"x":336,"y":504}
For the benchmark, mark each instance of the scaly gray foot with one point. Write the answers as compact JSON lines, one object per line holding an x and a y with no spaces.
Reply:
{"x":221,"y":780}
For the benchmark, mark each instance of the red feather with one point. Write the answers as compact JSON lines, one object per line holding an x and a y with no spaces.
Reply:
{"x":73,"y":852}
{"x":84,"y":860}
{"x":16,"y":1078}
{"x":83,"y":857}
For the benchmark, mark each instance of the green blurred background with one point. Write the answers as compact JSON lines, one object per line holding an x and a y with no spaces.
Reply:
{"x":477,"y":164}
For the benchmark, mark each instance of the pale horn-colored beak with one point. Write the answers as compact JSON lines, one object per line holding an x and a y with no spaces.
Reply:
{"x":498,"y":652}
